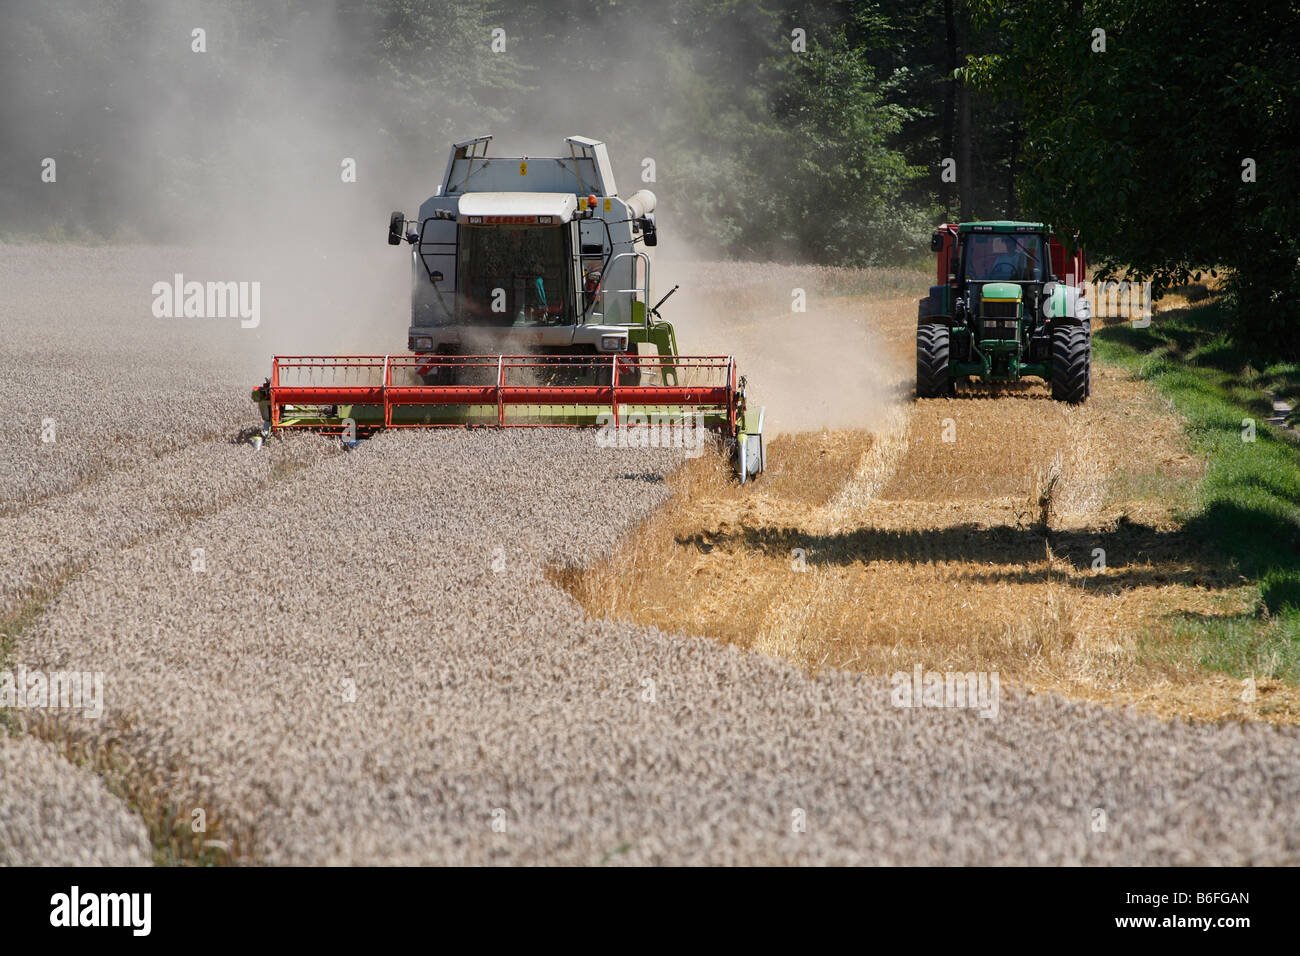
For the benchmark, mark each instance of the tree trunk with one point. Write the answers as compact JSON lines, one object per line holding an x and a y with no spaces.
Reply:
{"x":964,"y":170}
{"x":949,"y":102}
{"x":1013,"y":208}
{"x":963,"y":132}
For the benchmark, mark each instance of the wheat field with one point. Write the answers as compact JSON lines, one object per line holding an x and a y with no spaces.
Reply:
{"x":362,"y":657}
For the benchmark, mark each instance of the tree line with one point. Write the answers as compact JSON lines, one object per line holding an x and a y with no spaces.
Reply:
{"x":838,"y":131}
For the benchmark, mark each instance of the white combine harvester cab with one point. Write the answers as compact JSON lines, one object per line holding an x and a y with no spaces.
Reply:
{"x":530,"y":254}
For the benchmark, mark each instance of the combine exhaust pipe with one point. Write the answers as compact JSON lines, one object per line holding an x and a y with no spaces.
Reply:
{"x":641,"y":203}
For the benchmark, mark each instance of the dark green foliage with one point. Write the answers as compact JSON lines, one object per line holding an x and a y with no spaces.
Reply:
{"x":1141,"y":147}
{"x":1249,"y":501}
{"x":795,"y":161}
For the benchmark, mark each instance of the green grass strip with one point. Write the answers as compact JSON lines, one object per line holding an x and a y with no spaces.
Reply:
{"x":1248,"y":504}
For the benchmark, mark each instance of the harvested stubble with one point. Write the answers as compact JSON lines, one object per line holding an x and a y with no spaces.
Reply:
{"x":412,"y":572}
{"x":974,"y":554}
{"x":53,"y":813}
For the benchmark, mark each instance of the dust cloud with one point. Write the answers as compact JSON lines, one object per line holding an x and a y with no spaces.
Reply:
{"x":232,"y":162}
{"x":825,"y":367}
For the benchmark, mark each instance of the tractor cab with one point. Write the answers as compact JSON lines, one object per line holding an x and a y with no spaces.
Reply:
{"x":1004,"y":257}
{"x":1001,"y":281}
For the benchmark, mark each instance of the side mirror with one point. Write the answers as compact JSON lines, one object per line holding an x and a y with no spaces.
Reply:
{"x":936,"y":242}
{"x":648,"y":232}
{"x":395,"y":232}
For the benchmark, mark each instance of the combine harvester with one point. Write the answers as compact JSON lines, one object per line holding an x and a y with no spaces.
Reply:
{"x":530,"y":307}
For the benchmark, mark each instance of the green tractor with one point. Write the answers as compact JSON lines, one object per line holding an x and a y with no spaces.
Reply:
{"x":1010,"y":304}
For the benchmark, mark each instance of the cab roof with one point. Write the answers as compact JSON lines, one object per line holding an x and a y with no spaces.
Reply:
{"x":505,"y":207}
{"x":1002,"y":225}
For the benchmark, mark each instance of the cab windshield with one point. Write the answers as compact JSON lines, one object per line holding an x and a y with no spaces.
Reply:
{"x":512,"y":275}
{"x":1004,"y":256}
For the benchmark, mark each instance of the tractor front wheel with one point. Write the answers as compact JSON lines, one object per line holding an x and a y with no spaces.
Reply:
{"x":933,"y":378}
{"x":1071,"y":364}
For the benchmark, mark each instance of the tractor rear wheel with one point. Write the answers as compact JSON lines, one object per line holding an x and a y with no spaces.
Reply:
{"x":933,"y":379}
{"x":1088,"y":326}
{"x":1071,"y":364}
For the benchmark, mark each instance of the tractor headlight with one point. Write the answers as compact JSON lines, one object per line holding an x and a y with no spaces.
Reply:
{"x":612,"y":343}
{"x":420,"y":343}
